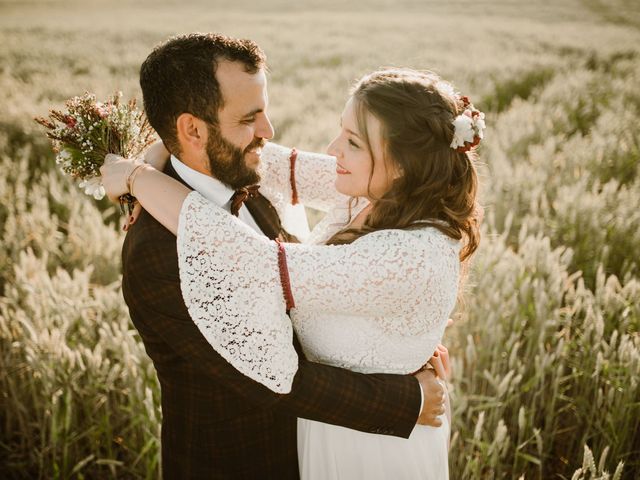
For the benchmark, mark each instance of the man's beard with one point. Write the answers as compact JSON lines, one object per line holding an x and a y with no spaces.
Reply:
{"x":226,"y":161}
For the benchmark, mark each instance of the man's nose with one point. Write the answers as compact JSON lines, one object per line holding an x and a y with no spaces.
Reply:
{"x":265,"y":129}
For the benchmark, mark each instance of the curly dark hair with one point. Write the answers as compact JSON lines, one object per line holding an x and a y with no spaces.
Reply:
{"x":179,"y":77}
{"x":438,"y":185}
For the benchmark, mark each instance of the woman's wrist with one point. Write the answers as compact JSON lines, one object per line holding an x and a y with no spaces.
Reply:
{"x":134,"y":174}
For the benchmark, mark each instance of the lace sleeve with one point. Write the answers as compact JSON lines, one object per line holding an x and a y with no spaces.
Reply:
{"x":231,"y":284}
{"x":233,"y":293}
{"x":314,"y":176}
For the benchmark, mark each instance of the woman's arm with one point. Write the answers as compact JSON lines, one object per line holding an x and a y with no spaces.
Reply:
{"x":299,"y":176}
{"x":159,"y":194}
{"x":374,"y":275}
{"x":157,"y":155}
{"x":296,"y":176}
{"x":232,"y":277}
{"x":389,"y":272}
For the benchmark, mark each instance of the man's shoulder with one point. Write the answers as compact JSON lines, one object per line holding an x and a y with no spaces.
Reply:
{"x":148,"y":242}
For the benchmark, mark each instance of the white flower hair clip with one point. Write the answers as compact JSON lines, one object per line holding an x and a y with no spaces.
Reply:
{"x":468,"y":127}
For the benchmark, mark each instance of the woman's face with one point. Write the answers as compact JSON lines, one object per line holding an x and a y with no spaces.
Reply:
{"x":355,"y":162}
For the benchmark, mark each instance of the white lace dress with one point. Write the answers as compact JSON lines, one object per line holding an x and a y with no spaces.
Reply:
{"x":378,"y":305}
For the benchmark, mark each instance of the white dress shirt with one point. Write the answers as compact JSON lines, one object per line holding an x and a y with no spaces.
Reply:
{"x":213,"y":190}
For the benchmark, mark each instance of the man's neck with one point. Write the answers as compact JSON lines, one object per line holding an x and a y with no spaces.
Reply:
{"x":212,"y":188}
{"x":195,"y":164}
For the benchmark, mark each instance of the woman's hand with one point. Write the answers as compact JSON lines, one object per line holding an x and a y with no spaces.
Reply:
{"x":440,"y":362}
{"x":115,"y":174}
{"x":157,"y":156}
{"x":159,"y":194}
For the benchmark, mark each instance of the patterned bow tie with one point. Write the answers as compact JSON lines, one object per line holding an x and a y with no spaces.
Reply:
{"x":240,"y":195}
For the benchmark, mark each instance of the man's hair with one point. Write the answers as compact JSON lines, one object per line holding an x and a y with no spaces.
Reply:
{"x":179,"y":77}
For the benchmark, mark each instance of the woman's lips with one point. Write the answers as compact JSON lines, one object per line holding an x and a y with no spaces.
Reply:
{"x":341,"y":171}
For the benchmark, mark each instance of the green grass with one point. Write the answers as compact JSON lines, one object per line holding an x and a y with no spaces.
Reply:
{"x":546,"y":349}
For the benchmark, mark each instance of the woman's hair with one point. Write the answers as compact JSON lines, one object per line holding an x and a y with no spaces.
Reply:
{"x":437,"y":185}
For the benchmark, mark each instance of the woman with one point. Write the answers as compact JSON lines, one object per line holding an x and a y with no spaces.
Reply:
{"x":372,"y":288}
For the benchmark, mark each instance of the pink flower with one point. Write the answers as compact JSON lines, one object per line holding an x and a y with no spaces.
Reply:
{"x":102,"y":110}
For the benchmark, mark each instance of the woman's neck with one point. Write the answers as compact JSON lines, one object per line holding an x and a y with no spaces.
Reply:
{"x":361,"y":217}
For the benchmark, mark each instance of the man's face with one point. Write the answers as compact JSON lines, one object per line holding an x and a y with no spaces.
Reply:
{"x":234,"y":145}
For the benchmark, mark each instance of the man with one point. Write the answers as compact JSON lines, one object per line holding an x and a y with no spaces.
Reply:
{"x":206,"y":97}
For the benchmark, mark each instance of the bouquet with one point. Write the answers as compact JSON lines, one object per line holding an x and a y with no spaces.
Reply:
{"x":88,"y":130}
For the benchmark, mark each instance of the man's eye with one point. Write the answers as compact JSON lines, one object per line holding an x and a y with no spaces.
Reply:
{"x":248,"y":121}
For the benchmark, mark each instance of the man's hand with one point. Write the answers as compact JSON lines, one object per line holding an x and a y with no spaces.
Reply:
{"x":434,"y":398}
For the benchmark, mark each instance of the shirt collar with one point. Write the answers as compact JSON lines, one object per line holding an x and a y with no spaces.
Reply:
{"x":210,"y":188}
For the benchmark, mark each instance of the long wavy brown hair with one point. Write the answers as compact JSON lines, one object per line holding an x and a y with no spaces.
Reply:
{"x":437,"y":185}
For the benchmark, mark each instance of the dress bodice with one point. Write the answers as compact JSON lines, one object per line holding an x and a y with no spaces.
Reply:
{"x":395,"y":342}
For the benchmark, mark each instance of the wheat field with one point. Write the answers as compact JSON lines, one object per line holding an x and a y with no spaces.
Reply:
{"x":546,"y":345}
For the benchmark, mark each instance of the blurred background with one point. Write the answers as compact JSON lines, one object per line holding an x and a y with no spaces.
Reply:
{"x":545,"y":345}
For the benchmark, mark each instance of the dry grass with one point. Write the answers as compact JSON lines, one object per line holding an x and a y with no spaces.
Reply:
{"x":547,"y":349}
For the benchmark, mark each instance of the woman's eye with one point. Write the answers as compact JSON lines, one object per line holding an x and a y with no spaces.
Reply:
{"x":353,"y":144}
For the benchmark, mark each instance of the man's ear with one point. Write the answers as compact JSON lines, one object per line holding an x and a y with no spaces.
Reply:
{"x":192,"y":132}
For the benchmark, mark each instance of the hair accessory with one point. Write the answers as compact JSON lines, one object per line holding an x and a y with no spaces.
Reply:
{"x":469,"y":127}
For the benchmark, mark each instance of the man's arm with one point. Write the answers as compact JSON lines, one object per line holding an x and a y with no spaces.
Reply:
{"x":384,"y":404}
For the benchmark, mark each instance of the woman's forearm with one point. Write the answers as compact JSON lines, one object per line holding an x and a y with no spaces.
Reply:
{"x":160,"y":195}
{"x":157,"y":155}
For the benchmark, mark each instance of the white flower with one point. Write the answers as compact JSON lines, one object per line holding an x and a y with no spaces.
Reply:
{"x":446,"y":89}
{"x":468,"y":125}
{"x":93,"y":186}
{"x":63,"y":156}
{"x":464,"y":131}
{"x":480,"y":125}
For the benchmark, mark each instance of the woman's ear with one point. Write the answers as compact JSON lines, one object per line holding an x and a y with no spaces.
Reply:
{"x":192,"y":132}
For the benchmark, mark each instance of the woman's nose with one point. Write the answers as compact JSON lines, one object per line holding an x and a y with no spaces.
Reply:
{"x":333,"y":149}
